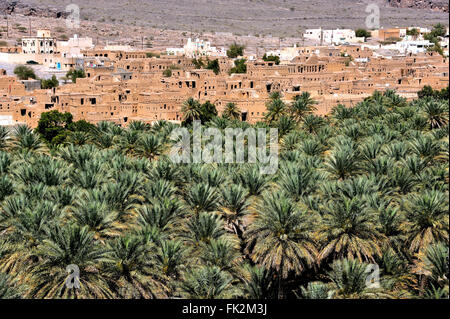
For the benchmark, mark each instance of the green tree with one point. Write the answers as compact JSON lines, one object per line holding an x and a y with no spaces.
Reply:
{"x":208,"y":283}
{"x":301,"y":106}
{"x":273,"y":58}
{"x":24,"y":72}
{"x":191,"y":110}
{"x":49,"y":83}
{"x":53,"y":126}
{"x":239,"y":66}
{"x":74,"y":74}
{"x":208,"y":112}
{"x":198,"y":63}
{"x":363,"y":33}
{"x":235,"y":51}
{"x":214,"y":65}
{"x":167,"y":73}
{"x":275,"y":109}
{"x":282,"y":237}
{"x":231,"y":111}
{"x":412,"y":32}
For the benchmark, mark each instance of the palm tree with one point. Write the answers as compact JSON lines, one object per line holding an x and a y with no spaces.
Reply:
{"x":171,"y":258}
{"x":349,"y":280}
{"x":258,"y":283}
{"x":436,"y":113}
{"x":301,"y":106}
{"x":9,"y":288}
{"x":149,"y":146}
{"x":340,"y":112}
{"x":4,"y":133}
{"x":427,"y":217}
{"x":208,"y":282}
{"x":275,"y":109}
{"x":90,"y":176}
{"x":31,"y":223}
{"x":129,"y":140}
{"x":426,"y":147}
{"x":285,"y":125}
{"x":202,"y":228}
{"x":343,"y":162}
{"x":104,"y":140}
{"x":68,"y":245}
{"x":166,"y":170}
{"x":191,"y":110}
{"x":433,"y":264}
{"x":252,"y":180}
{"x":312,"y":147}
{"x":25,"y":141}
{"x":348,"y":230}
{"x":131,"y":271}
{"x":313,"y":123}
{"x":290,"y":141}
{"x":158,"y":189}
{"x":6,"y":187}
{"x":97,"y":216}
{"x":224,"y":254}
{"x":79,"y":138}
{"x":163,"y":214}
{"x":296,"y":180}
{"x":231,"y":111}
{"x":234,"y":207}
{"x":138,"y":126}
{"x":202,"y":198}
{"x":280,"y":238}
{"x":315,"y":290}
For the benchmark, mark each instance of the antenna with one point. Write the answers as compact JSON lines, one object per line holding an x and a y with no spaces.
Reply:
{"x":321,"y":36}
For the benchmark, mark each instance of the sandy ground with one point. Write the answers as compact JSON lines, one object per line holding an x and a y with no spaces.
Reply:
{"x":41,"y":71}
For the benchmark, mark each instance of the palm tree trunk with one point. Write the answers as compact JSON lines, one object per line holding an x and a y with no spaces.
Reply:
{"x":280,"y":279}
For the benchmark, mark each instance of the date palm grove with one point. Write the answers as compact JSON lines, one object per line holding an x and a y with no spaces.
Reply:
{"x":363,"y":186}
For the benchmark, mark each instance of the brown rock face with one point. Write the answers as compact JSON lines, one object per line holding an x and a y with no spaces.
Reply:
{"x":435,"y":5}
{"x":16,"y":7}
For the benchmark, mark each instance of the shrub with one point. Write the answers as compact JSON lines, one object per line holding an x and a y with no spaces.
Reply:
{"x":24,"y":72}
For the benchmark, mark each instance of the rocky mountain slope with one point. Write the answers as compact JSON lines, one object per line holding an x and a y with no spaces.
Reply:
{"x":435,"y":5}
{"x":281,"y":18}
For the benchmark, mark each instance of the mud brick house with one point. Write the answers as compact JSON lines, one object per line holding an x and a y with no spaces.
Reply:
{"x":124,"y":86}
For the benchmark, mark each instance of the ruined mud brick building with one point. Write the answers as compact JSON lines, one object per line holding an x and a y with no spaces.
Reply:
{"x":125,"y":86}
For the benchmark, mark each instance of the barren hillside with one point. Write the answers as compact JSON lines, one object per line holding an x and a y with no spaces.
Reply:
{"x":436,"y":5}
{"x":242,"y":17}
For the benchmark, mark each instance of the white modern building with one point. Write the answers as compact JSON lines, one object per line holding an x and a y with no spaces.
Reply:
{"x":337,"y":36}
{"x":414,"y":47}
{"x":73,"y":47}
{"x":285,"y":54}
{"x":42,"y":43}
{"x":197,"y":48}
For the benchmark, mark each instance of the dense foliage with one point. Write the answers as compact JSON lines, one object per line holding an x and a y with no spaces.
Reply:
{"x":24,"y":72}
{"x":49,"y":83}
{"x":208,"y":64}
{"x":74,"y":74}
{"x":236,"y":50}
{"x":273,"y":58}
{"x":363,"y":33}
{"x":365,"y":185}
{"x":239,"y":66}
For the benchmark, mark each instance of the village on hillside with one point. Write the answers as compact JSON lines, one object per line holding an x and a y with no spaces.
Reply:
{"x":122,"y":84}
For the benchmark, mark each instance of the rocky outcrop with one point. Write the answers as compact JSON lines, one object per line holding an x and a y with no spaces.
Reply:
{"x":435,"y":5}
{"x":17,"y":7}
